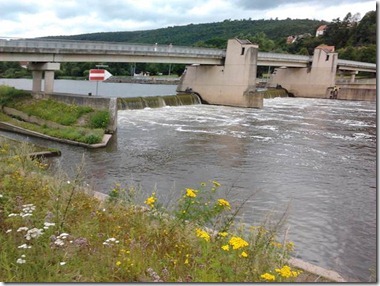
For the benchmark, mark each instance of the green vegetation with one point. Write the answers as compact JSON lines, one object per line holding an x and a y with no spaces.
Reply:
{"x":52,"y":110}
{"x":71,"y":122}
{"x":9,"y":95}
{"x":53,"y":230}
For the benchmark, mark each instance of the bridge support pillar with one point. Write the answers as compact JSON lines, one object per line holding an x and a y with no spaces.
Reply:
{"x":38,"y":69}
{"x":313,"y":81}
{"x":37,"y":81}
{"x":352,"y":78}
{"x":233,"y":83}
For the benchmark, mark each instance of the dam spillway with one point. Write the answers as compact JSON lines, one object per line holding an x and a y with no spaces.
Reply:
{"x":157,"y":101}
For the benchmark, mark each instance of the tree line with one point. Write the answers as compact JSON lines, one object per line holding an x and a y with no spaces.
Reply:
{"x":354,"y":39}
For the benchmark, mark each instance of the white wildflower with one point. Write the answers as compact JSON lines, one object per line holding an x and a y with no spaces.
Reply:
{"x":10,"y":215}
{"x":25,"y":246}
{"x":59,"y":242}
{"x":62,"y":263}
{"x":33,"y":233}
{"x":8,"y":231}
{"x":21,"y":261}
{"x":48,"y":224}
{"x":22,"y":228}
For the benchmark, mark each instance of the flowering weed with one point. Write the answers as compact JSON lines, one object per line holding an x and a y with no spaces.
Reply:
{"x":55,"y":231}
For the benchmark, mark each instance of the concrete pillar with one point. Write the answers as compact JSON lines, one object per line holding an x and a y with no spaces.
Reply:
{"x":37,"y":81}
{"x":49,"y":81}
{"x":233,"y":83}
{"x":37,"y":69}
{"x":313,"y":81}
{"x":352,"y":78}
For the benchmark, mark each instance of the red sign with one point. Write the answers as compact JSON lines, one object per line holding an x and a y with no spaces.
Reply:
{"x":99,"y":74}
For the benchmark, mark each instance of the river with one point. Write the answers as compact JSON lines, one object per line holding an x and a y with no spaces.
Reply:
{"x":315,"y":156}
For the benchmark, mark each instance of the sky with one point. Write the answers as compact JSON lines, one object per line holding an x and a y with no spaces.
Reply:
{"x":37,"y":18}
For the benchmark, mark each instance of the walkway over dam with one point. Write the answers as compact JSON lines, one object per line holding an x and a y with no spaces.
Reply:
{"x":238,"y":64}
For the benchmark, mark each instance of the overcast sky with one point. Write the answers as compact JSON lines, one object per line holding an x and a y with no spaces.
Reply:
{"x":36,"y":18}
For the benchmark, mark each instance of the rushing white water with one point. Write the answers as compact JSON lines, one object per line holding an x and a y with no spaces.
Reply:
{"x":316,"y":156}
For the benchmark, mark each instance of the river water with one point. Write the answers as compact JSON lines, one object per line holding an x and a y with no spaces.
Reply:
{"x":315,"y":156}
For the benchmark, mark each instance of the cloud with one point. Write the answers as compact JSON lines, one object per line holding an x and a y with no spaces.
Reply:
{"x":268,"y":4}
{"x":12,"y":10}
{"x":35,"y":18}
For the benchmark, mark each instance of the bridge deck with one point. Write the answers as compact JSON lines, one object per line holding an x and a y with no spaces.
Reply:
{"x":90,"y":51}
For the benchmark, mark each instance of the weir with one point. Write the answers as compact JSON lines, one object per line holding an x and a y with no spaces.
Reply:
{"x":157,"y":101}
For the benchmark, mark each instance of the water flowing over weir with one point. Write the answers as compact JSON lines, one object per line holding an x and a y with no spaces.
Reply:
{"x":158,"y":101}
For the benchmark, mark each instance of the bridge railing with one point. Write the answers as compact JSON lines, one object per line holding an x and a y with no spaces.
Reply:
{"x":286,"y":57}
{"x":110,"y":47}
{"x":355,"y":64}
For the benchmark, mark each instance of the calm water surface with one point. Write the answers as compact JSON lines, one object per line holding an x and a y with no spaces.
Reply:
{"x":316,"y":156}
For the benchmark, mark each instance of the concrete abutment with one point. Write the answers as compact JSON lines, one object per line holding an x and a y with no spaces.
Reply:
{"x":38,"y":70}
{"x":232,"y":84}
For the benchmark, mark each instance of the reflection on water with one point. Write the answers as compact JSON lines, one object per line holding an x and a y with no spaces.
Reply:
{"x":317,"y":156}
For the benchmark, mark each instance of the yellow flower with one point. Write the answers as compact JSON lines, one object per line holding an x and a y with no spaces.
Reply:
{"x":223,"y":234}
{"x":151,"y":200}
{"x":244,"y":254}
{"x":237,"y":242}
{"x":287,"y":272}
{"x":268,"y":277}
{"x":276,"y":244}
{"x":226,"y":247}
{"x":224,"y":203}
{"x":118,"y":263}
{"x":203,"y":234}
{"x":191,"y":193}
{"x":290,"y":246}
{"x":216,"y":184}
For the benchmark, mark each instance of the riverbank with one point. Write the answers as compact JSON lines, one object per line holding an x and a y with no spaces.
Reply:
{"x":47,"y":118}
{"x":77,"y":235}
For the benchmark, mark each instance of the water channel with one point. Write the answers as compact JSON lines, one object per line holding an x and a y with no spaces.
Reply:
{"x":317,"y":156}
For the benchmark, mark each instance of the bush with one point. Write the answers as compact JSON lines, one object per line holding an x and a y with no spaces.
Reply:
{"x":65,"y":114}
{"x":9,"y":95}
{"x":99,"y":119}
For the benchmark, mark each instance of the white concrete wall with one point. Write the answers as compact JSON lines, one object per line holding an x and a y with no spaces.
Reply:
{"x":309,"y":82}
{"x":232,"y":84}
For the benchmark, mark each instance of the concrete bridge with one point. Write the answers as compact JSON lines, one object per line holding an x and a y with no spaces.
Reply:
{"x":225,"y":77}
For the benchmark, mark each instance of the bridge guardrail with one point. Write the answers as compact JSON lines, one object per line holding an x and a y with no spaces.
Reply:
{"x":116,"y":47}
{"x":355,"y":64}
{"x":290,"y":57}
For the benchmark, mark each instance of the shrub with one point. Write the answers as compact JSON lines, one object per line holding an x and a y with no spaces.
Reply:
{"x":65,"y":114}
{"x":99,"y":119}
{"x":9,"y":95}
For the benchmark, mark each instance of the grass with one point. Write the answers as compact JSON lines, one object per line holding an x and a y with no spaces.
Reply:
{"x":78,"y":123}
{"x":65,"y":114}
{"x":52,"y":229}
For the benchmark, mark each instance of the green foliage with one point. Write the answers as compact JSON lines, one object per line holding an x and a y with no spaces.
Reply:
{"x":99,"y":119}
{"x":9,"y":95}
{"x":13,"y":70}
{"x":65,"y":114}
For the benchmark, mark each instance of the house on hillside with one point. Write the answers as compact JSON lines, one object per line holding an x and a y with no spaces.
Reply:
{"x":291,"y":39}
{"x":321,"y":30}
